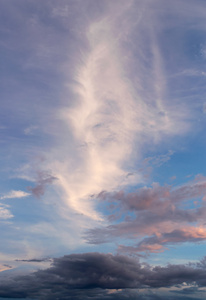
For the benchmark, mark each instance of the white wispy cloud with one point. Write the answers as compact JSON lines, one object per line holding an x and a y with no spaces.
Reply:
{"x":5,"y":212}
{"x":159,"y":159}
{"x":112,"y":119}
{"x":114,"y":105}
{"x":30,"y":130}
{"x":14,"y":194}
{"x":4,"y":267}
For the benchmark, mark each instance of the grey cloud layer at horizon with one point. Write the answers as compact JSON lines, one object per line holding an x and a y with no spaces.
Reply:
{"x":103,"y":276}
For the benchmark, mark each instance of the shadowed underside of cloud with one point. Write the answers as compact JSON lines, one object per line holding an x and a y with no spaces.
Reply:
{"x":159,"y":212}
{"x":44,"y":178}
{"x":100,"y":276}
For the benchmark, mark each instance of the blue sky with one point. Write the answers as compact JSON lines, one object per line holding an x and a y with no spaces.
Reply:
{"x":102,"y":125}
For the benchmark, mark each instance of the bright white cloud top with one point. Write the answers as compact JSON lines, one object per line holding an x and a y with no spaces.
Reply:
{"x":102,"y":147}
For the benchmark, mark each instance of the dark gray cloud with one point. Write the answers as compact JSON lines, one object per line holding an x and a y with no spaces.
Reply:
{"x":102,"y":276}
{"x":44,"y":178}
{"x":35,"y":260}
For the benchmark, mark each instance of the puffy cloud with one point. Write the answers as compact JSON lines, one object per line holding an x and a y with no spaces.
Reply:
{"x":156,"y":195}
{"x":156,"y":243}
{"x":158,"y":212}
{"x":5,"y":212}
{"x":44,"y":178}
{"x":104,"y":276}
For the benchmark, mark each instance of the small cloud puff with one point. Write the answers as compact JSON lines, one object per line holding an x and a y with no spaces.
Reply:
{"x":30,"y":130}
{"x":14,"y":194}
{"x":4,"y":212}
{"x":44,"y":178}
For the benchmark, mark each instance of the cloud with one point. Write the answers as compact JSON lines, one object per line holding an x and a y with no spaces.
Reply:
{"x":160,"y":159}
{"x":44,"y":178}
{"x":98,"y":89}
{"x":156,"y":243}
{"x":4,"y":212}
{"x":30,"y":130}
{"x":148,"y":198}
{"x":104,"y":276}
{"x":15,"y":194}
{"x":34,"y":260}
{"x":112,"y":98}
{"x":158,"y":212}
{"x":108,"y":118}
{"x":5,"y":267}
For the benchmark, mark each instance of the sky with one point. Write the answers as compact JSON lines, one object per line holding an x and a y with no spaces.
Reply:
{"x":102,"y":143}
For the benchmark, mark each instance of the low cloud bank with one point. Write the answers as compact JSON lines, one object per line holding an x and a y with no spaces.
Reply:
{"x":101,"y":276}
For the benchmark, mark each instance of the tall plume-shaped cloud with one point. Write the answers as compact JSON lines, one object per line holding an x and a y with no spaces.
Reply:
{"x":110,"y":118}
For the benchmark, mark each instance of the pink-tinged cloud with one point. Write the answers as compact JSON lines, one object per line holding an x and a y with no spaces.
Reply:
{"x":156,"y":243}
{"x":5,"y":267}
{"x":149,"y":198}
{"x":157,"y":212}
